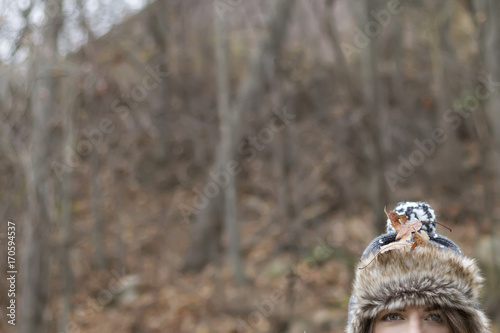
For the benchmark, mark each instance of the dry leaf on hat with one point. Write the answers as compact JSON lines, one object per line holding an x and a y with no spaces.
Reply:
{"x":404,"y":244}
{"x":395,"y":246}
{"x":401,"y":225}
{"x":396,"y":219}
{"x":420,"y":239}
{"x":413,"y":225}
{"x":404,"y":241}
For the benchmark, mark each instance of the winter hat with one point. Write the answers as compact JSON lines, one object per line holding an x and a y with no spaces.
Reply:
{"x":435,"y":274}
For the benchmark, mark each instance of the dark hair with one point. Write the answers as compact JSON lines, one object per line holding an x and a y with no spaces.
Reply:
{"x":457,"y":321}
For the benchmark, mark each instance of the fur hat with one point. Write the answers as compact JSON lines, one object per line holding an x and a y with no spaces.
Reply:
{"x":437,"y":274}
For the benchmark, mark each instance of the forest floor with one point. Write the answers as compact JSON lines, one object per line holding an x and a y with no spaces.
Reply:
{"x":151,"y":295}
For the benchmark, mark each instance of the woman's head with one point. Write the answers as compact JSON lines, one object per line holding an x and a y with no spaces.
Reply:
{"x":404,"y":284}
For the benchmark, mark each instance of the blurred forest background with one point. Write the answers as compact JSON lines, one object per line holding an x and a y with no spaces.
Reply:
{"x":220,"y":165}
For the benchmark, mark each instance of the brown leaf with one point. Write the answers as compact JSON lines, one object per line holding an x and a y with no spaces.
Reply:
{"x":406,"y":237}
{"x":396,"y":219}
{"x":404,"y":244}
{"x":420,"y":239}
{"x":413,"y":225}
{"x":395,"y":245}
{"x":403,"y":239}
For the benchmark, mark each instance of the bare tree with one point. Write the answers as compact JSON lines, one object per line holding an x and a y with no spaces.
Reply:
{"x":484,"y":130}
{"x":70,"y":99}
{"x":448,"y":160}
{"x":226,"y":149}
{"x":375,"y":151}
{"x":333,"y":38}
{"x":489,"y":49}
{"x":247,"y":97}
{"x":96,"y":199}
{"x":492,"y":47}
{"x":34,"y":260}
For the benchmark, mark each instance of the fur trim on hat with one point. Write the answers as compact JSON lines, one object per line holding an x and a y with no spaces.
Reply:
{"x":428,"y":275}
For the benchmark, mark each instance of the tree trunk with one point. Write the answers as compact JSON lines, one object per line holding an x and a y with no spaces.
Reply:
{"x":447,"y":165}
{"x":266,"y":53}
{"x":69,"y":99}
{"x":34,"y":256}
{"x":120,"y":248}
{"x":482,"y":126}
{"x":332,"y":35}
{"x":247,"y":97}
{"x":96,"y":199}
{"x":379,"y":194}
{"x":159,"y":27}
{"x":492,"y":67}
{"x":226,"y":150}
{"x":205,"y":244}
